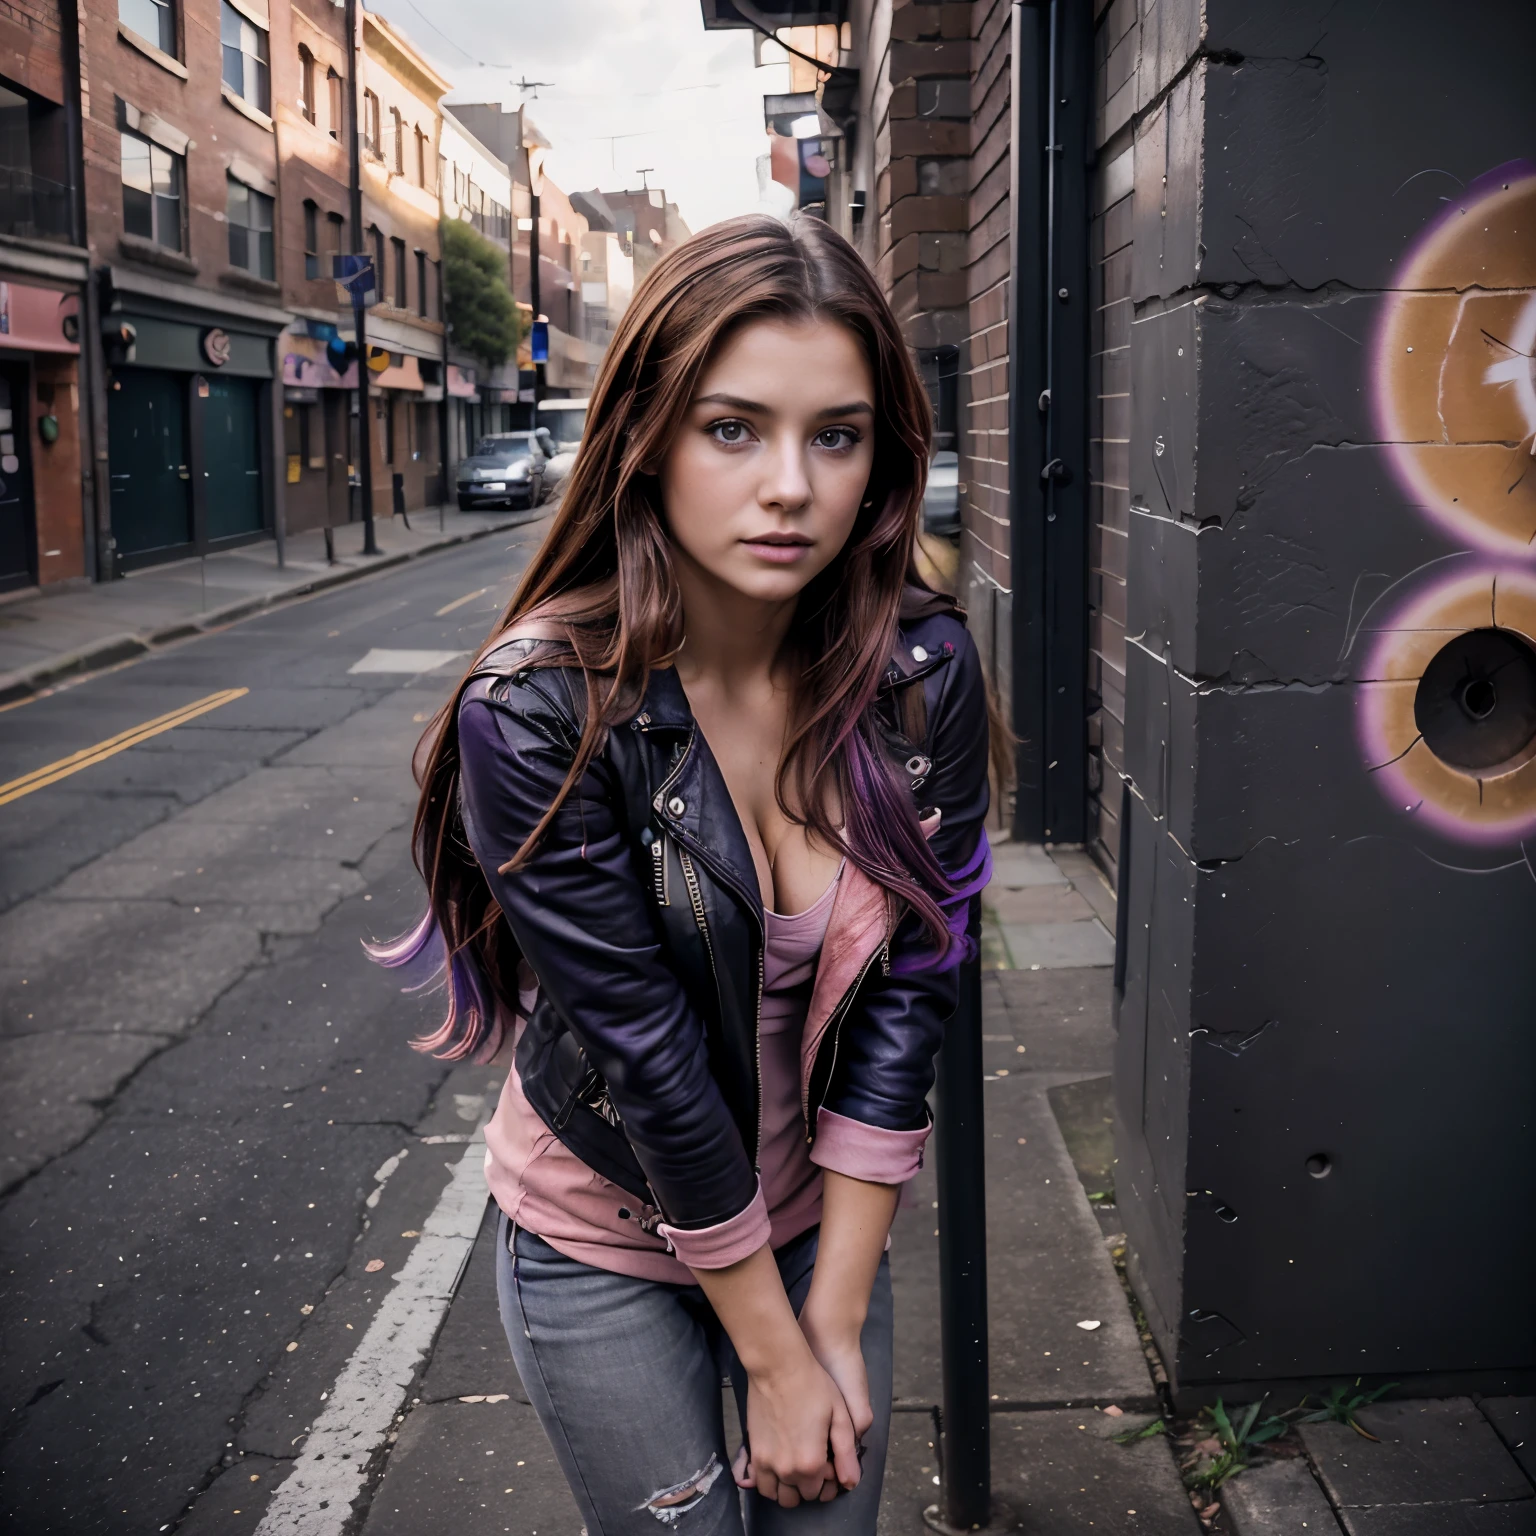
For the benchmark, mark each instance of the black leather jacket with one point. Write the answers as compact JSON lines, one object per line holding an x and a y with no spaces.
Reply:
{"x":641,"y":1052}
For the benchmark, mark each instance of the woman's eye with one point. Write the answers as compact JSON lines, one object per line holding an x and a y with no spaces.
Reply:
{"x":729,"y":431}
{"x":837,"y":437}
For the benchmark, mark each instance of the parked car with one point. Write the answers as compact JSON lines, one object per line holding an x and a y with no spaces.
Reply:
{"x":941,"y":500}
{"x":565,"y":420}
{"x":507,"y":469}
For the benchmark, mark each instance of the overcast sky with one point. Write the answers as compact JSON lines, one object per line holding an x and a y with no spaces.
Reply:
{"x":636,"y":83}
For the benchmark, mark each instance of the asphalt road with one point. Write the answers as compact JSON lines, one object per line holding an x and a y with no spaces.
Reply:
{"x":204,"y":1082}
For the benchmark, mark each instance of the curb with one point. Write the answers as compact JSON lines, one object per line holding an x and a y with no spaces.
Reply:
{"x":108,"y":652}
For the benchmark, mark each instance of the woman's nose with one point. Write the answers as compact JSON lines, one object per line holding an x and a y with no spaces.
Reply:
{"x":785,"y":482}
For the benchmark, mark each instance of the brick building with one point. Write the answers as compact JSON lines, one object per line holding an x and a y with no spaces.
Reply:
{"x":44,"y":398}
{"x":182,"y":226}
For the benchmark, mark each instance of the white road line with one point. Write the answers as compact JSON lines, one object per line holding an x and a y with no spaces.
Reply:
{"x":407,"y":663}
{"x":316,"y":1498}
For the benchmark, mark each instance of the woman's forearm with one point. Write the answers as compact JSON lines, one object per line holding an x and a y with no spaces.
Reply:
{"x":749,"y":1299}
{"x":855,"y":1222}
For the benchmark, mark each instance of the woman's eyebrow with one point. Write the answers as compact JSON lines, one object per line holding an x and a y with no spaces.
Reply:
{"x":737,"y":403}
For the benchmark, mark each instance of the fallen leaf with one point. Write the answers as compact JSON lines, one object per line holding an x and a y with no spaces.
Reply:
{"x":1114,"y":1412}
{"x":1088,"y":1324}
{"x":479,"y":1399}
{"x":374,"y":1265}
{"x":307,"y":1308}
{"x":292,"y":1347}
{"x":497,"y":1397}
{"x":412,"y":1233}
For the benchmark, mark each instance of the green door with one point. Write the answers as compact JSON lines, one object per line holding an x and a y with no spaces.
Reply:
{"x":147,"y":441}
{"x":232,"y":452}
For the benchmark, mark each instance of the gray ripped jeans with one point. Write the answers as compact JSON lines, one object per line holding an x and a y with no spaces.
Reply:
{"x":625,"y":1377}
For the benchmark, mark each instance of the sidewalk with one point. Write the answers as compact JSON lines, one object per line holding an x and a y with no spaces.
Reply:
{"x":47,"y":636}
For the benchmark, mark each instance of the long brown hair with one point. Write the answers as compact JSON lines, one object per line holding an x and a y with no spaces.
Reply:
{"x":604,"y":570}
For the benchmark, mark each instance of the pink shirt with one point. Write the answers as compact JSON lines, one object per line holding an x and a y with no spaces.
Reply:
{"x":544,"y":1187}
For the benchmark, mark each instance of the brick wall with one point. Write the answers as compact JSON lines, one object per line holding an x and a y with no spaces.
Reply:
{"x":30,"y":46}
{"x":1117,"y":40}
{"x":986,"y":586}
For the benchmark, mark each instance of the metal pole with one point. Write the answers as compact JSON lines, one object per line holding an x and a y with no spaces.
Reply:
{"x":533,"y":294}
{"x":355,"y":188}
{"x":960,"y":1155}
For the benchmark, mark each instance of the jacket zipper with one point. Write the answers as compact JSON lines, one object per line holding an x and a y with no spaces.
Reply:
{"x":659,"y":873}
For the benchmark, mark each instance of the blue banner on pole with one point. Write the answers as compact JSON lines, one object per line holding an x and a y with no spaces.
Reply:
{"x":538,"y":341}
{"x":355,"y":280}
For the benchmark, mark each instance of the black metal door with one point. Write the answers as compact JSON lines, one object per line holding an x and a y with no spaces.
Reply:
{"x":18,"y":527}
{"x":149,"y":465}
{"x":232,"y":457}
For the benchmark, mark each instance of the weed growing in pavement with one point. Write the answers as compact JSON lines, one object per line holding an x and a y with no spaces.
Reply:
{"x":1341,"y":1405}
{"x":1225,"y":1451}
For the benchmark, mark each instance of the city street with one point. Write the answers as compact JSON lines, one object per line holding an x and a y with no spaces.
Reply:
{"x":203,"y":1077}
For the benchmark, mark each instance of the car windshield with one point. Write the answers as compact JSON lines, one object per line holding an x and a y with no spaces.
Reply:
{"x":502,"y":447}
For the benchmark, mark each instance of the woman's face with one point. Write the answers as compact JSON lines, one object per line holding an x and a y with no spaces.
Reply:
{"x":764,"y":480}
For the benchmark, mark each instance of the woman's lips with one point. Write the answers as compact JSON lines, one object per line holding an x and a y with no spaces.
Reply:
{"x":778,"y":551}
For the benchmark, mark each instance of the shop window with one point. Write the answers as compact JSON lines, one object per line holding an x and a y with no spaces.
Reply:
{"x":153,"y":20}
{"x":307,"y":103}
{"x":397,"y":251}
{"x":311,"y":239}
{"x":371,"y":125}
{"x":250,"y":230}
{"x":421,"y":284}
{"x":152,"y":183}
{"x":333,"y":92}
{"x":246,"y":70}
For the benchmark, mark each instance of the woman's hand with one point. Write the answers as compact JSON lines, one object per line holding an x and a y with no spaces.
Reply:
{"x":836,"y":1347}
{"x":801,"y":1443}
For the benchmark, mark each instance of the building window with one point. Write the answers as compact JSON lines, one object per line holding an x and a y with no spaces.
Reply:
{"x":152,"y":182}
{"x":307,"y":103}
{"x":402,"y":299}
{"x":389,"y":428}
{"x":376,"y":250}
{"x":421,"y":158}
{"x":153,"y":20}
{"x":397,"y":124}
{"x":311,"y":239}
{"x":245,"y":58}
{"x":421,"y":284}
{"x":333,"y":91}
{"x":250,"y":230}
{"x":371,"y":124}
{"x":335,"y":242}
{"x":437,"y":288}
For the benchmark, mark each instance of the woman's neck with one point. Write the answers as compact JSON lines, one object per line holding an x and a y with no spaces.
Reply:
{"x":729,"y":639}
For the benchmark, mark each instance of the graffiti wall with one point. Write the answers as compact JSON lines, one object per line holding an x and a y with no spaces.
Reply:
{"x":1447,"y":656}
{"x":1326,"y":1027}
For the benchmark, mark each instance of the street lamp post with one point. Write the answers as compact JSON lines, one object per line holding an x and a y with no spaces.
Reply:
{"x":359,"y":321}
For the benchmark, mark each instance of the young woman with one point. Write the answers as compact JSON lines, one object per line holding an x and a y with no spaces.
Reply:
{"x":700,"y":831}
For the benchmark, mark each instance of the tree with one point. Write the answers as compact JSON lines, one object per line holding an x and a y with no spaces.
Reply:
{"x":485,"y":320}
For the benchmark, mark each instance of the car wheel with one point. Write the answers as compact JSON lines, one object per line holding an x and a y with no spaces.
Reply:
{"x":465,"y":504}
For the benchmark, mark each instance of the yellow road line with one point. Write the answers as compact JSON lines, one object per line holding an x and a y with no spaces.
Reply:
{"x":41,"y":778}
{"x":459,"y":602}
